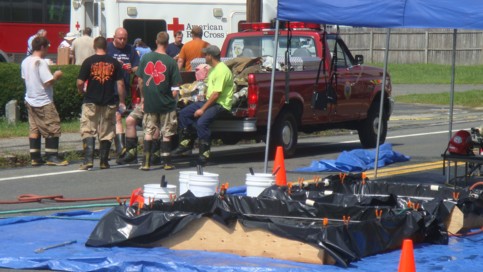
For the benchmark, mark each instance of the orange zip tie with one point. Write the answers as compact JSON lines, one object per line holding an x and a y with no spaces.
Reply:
{"x":325,"y":222}
{"x":410,"y":204}
{"x":289,"y":185}
{"x":456,"y":195}
{"x":364,"y":177}
{"x":416,"y":206}
{"x":140,"y":206}
{"x":378,"y":214}
{"x":316,"y":180}
{"x":300,"y":181}
{"x":342,"y":177}
{"x":118,"y":199}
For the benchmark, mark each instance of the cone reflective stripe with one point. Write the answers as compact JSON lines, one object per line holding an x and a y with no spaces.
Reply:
{"x":406,"y":263}
{"x":281,"y":176}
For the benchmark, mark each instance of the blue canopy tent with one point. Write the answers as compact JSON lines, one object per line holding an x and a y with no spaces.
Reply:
{"x":463,"y":14}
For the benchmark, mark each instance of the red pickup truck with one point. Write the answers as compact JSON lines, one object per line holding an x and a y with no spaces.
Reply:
{"x":347,"y":92}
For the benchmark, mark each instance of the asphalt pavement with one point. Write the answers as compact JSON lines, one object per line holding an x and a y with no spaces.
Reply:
{"x":72,"y":141}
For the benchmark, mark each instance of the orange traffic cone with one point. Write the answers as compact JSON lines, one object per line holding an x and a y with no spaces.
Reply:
{"x":406,"y":263}
{"x":279,"y":167}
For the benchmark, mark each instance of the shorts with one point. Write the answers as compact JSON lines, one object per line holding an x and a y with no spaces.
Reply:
{"x":167,"y":123}
{"x":44,"y":120}
{"x":98,"y":120}
{"x":137,"y":113}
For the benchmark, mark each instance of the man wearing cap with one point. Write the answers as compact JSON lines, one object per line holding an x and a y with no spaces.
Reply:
{"x":192,"y":49}
{"x":202,"y":113}
{"x":67,"y":43}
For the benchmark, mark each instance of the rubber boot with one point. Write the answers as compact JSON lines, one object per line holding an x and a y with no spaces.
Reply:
{"x":204,"y":153}
{"x":119,"y":142}
{"x":52,"y":152}
{"x":130,"y":154}
{"x":35,"y":149}
{"x":148,"y":145}
{"x":104,"y":154}
{"x":186,"y":141}
{"x":166,"y":156}
{"x":155,"y":151}
{"x":89,"y":145}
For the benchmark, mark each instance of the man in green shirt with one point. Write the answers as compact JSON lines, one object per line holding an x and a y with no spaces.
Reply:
{"x":159,"y":81}
{"x":202,"y":113}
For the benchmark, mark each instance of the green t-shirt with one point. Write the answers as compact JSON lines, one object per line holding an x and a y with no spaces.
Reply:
{"x":220,"y":79}
{"x":159,"y":73}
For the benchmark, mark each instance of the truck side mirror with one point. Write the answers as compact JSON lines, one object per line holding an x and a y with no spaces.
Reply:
{"x":359,"y":59}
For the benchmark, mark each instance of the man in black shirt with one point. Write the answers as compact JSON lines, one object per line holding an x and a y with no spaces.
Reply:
{"x":102,"y":74}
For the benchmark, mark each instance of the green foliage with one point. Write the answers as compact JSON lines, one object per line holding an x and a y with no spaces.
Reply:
{"x":66,"y":99}
{"x":468,"y":99}
{"x":11,"y":85}
{"x":433,"y":73}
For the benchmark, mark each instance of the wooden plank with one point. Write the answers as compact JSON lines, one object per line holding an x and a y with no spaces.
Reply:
{"x":209,"y":235}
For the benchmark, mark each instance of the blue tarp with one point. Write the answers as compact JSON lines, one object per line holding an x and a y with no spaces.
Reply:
{"x":462,"y":14}
{"x":357,"y":160}
{"x":22,"y":235}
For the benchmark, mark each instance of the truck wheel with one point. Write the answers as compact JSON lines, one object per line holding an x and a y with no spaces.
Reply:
{"x":285,"y":133}
{"x":368,"y":128}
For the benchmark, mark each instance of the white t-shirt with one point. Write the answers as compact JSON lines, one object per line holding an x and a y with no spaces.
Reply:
{"x":36,"y":72}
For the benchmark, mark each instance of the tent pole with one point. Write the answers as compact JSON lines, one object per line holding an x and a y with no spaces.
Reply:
{"x":270,"y":101}
{"x":381,"y":105}
{"x":451,"y":96}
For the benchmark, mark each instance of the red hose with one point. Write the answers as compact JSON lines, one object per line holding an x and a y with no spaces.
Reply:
{"x":476,"y":184}
{"x":29,"y":198}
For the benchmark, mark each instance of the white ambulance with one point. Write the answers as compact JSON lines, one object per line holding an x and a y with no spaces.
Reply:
{"x":145,"y":18}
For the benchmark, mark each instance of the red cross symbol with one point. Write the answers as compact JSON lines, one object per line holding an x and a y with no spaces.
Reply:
{"x":175,"y":26}
{"x":77,"y":26}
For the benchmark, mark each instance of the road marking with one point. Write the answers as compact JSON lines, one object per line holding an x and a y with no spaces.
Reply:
{"x":42,"y":175}
{"x":61,"y":173}
{"x":122,"y":166}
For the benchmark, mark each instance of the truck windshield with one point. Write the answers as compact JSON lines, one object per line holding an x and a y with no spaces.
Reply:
{"x":261,"y":46}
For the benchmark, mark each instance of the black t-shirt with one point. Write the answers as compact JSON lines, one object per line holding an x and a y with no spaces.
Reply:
{"x":102,"y":73}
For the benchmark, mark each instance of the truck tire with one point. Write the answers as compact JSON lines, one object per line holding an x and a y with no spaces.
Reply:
{"x":367,"y":129}
{"x":285,"y":133}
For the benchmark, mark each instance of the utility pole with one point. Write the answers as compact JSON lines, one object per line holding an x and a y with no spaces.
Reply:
{"x":254,"y":11}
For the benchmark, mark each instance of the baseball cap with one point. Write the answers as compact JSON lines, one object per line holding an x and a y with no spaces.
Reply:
{"x":212,"y":50}
{"x":70,"y":36}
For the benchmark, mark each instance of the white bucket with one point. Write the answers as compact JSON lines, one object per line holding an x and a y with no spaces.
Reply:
{"x":156,"y":192}
{"x":203,"y":185}
{"x":258,"y":182}
{"x":184,"y":178}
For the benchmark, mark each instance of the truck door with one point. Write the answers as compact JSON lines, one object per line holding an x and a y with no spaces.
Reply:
{"x":350,"y":88}
{"x":144,"y":29}
{"x":94,"y":18}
